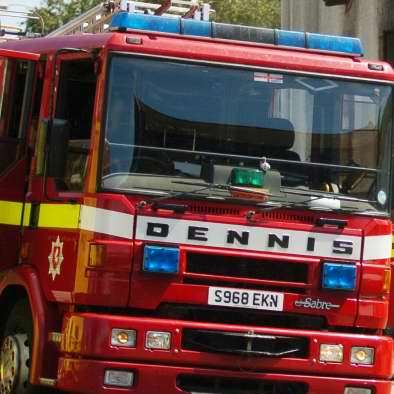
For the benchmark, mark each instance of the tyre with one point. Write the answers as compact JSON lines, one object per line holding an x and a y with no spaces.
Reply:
{"x":15,"y":352}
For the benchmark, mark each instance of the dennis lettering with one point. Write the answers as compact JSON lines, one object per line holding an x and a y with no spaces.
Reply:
{"x":215,"y":234}
{"x":310,"y":303}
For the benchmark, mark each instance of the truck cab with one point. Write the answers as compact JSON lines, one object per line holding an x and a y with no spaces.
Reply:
{"x":194,"y":207}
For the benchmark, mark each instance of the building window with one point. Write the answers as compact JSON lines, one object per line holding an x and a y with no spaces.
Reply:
{"x":389,"y":46}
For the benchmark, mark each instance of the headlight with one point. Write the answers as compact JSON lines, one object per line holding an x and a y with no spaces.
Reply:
{"x":123,"y":338}
{"x":331,"y":353}
{"x":356,"y":390}
{"x":362,"y":355}
{"x":158,"y":340}
{"x":113,"y":377}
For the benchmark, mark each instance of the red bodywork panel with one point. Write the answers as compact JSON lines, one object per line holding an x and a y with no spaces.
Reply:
{"x":19,"y":55}
{"x":82,"y":338}
{"x":75,"y":375}
{"x":368,"y":308}
{"x":206,"y":49}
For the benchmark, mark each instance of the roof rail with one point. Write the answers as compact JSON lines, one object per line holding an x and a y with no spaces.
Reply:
{"x":94,"y":20}
{"x":97,"y":19}
{"x":175,"y":8}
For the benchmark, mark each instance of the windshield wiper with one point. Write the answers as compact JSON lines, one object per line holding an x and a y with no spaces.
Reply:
{"x":326,"y":195}
{"x":272,"y":205}
{"x":157,"y":202}
{"x":252,"y":195}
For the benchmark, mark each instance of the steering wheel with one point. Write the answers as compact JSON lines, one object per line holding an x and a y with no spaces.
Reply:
{"x":353,"y":179}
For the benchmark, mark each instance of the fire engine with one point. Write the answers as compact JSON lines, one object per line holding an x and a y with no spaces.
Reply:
{"x":189,"y":206}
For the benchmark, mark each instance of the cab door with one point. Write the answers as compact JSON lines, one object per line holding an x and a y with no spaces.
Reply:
{"x":18,"y":82}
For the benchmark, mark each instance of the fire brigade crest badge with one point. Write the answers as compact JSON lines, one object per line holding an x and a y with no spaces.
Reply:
{"x":56,"y":258}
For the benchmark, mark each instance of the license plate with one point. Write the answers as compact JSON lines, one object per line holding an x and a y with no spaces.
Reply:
{"x":239,"y":298}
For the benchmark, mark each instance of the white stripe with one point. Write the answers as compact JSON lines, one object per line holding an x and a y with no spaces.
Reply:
{"x":105,"y":221}
{"x":216,"y":235}
{"x":120,"y":224}
{"x":377,"y":247}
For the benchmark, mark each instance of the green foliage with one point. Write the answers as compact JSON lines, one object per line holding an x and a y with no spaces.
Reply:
{"x":265,"y":13}
{"x":56,"y":13}
{"x":262,"y":13}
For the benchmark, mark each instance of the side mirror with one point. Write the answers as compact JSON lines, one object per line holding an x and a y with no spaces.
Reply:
{"x":59,"y":135}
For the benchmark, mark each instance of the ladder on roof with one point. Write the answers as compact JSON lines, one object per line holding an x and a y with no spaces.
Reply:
{"x":97,"y":19}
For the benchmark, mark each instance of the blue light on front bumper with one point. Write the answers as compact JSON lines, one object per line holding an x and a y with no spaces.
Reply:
{"x":339,"y":276}
{"x":161,"y":259}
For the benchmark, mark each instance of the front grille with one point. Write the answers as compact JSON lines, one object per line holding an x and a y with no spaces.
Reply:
{"x":219,"y":385}
{"x":247,"y":344}
{"x":244,"y":267}
{"x":289,"y":217}
{"x":206,"y":209}
{"x":213,"y":270}
{"x":275,"y":215}
{"x":222,"y":315}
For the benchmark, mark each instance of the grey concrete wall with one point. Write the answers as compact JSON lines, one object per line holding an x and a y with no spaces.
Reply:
{"x":366,"y":19}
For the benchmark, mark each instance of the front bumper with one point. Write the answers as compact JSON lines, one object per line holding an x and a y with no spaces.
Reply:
{"x":88,"y":335}
{"x":86,"y":339}
{"x":86,"y":376}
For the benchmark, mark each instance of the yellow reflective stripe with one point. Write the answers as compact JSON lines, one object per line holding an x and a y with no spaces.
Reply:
{"x":11,"y":213}
{"x":59,"y":216}
{"x":26,"y":215}
{"x":50,"y":215}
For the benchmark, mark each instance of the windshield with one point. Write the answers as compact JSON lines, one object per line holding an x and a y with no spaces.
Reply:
{"x":170,"y":124}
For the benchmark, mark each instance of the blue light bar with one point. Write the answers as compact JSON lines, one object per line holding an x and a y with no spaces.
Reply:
{"x":339,"y":276}
{"x":291,"y":38}
{"x":334,"y":43}
{"x":125,"y":21}
{"x":191,"y":27}
{"x":128,"y":21}
{"x":161,"y":259}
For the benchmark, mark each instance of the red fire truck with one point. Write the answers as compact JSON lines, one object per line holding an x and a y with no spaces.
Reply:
{"x":194,"y":207}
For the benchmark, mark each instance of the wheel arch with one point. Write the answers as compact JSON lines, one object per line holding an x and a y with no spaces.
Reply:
{"x":8,"y":298}
{"x":19,"y":283}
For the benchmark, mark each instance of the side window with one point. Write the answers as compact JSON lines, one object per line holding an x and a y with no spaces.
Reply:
{"x":14,"y":104}
{"x":75,"y":102}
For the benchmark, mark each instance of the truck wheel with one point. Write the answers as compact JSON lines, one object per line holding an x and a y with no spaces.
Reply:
{"x":15,"y":352}
{"x":14,"y":364}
